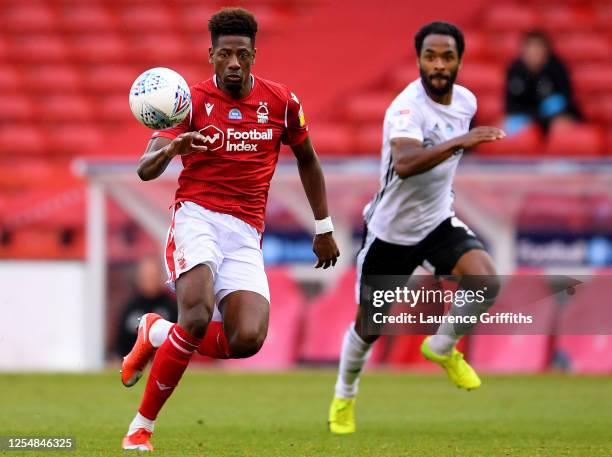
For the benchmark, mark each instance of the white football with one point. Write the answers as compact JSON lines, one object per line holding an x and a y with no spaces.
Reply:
{"x":160,"y":98}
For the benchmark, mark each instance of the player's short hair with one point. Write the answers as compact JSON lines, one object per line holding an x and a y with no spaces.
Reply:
{"x":439,"y":28}
{"x":232,"y":21}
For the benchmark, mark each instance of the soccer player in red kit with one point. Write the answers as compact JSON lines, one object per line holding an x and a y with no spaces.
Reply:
{"x":229,"y":147}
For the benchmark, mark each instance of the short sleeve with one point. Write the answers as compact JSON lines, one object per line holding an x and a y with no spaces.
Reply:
{"x":474,"y":105}
{"x":296,"y":129}
{"x":404,"y":122}
{"x":172,"y":133}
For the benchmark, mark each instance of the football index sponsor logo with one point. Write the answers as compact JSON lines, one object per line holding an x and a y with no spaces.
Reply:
{"x":237,"y":140}
{"x":235,"y":115}
{"x":241,"y":144}
{"x":213,"y":137}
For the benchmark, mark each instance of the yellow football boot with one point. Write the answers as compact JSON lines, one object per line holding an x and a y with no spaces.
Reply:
{"x":342,"y":415}
{"x":458,"y":370}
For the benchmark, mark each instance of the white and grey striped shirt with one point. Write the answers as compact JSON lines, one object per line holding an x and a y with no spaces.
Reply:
{"x":405,"y":211}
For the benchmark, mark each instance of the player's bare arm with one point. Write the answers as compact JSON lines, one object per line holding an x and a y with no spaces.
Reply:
{"x":411,"y":158}
{"x":324,"y":246}
{"x":160,"y":152}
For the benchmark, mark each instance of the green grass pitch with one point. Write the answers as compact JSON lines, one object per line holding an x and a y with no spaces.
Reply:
{"x":229,"y":414}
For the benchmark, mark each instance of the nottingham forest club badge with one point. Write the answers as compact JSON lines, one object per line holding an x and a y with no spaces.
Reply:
{"x":262,"y":113}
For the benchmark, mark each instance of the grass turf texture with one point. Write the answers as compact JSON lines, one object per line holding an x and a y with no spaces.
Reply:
{"x":229,"y":414}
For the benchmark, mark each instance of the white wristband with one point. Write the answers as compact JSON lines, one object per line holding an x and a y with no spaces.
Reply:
{"x":324,"y":226}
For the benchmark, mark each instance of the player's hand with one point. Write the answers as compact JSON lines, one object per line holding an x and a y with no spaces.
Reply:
{"x":480,"y":135}
{"x":324,"y":247}
{"x":187,"y":143}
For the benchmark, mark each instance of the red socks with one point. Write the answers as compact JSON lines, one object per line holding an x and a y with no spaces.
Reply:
{"x":169,"y":364}
{"x":214,"y":344}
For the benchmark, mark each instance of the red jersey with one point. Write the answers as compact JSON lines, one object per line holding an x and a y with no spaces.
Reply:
{"x":243,"y":139}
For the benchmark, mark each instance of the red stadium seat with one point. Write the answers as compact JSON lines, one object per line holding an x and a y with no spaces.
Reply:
{"x":608,"y":145}
{"x":270,"y":18}
{"x":66,"y":108}
{"x":158,"y":49}
{"x":38,"y":49}
{"x":287,"y":305}
{"x":477,"y":46}
{"x":584,"y":342}
{"x":518,"y":352}
{"x":193,"y":74}
{"x":368,"y":139}
{"x":100,"y":48}
{"x":584,"y":47}
{"x":598,"y":108}
{"x":568,"y":18}
{"x":195,"y":17}
{"x":30,"y":172}
{"x":603,"y":16}
{"x":115,"y":109}
{"x":490,"y":108}
{"x":510,"y":18}
{"x":18,"y":139}
{"x":327,"y":319}
{"x":592,"y":78}
{"x":331,"y":139}
{"x":368,"y":107}
{"x":27,"y":18}
{"x":529,"y":142}
{"x":104,"y":79}
{"x":403,"y":75}
{"x":3,"y":49}
{"x":53,"y":78}
{"x":40,"y":207}
{"x":504,"y":47}
{"x":16,"y":107}
{"x":146,"y":17}
{"x":483,"y":78}
{"x":10,"y":79}
{"x":576,"y":140}
{"x":87,"y":17}
{"x":76,"y":140}
{"x":510,"y":353}
{"x":585,"y":353}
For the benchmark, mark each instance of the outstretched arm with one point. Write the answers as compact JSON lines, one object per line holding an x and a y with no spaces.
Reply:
{"x":311,"y":175}
{"x":161,"y":150}
{"x":411,"y":158}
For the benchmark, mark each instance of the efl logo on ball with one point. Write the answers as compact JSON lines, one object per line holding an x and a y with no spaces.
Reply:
{"x":160,"y":98}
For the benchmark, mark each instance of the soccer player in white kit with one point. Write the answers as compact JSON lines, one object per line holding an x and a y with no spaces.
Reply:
{"x":410,"y":221}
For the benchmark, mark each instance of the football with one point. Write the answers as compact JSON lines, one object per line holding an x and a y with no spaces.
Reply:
{"x":160,"y":98}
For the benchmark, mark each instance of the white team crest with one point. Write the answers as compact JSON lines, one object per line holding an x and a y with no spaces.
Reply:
{"x":209,"y":107}
{"x":262,"y":113}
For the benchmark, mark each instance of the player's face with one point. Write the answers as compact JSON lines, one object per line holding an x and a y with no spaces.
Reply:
{"x":232,"y":58}
{"x":439,"y":63}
